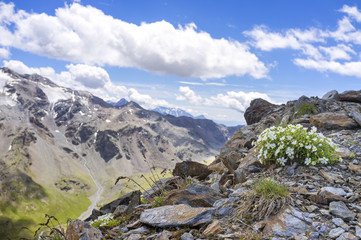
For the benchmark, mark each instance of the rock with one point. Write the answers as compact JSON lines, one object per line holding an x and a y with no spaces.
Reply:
{"x":285,"y":224}
{"x":347,"y":236}
{"x":192,"y":169}
{"x":165,"y":235}
{"x":333,"y":194}
{"x":187,"y":236}
{"x":195,"y":195}
{"x":136,"y":236}
{"x":131,"y":200}
{"x":257,"y":110}
{"x":330,"y":177}
{"x":176,"y":216}
{"x":332,"y":121}
{"x":358,"y":231}
{"x":334,"y":190}
{"x":142,"y":230}
{"x":356,"y":116}
{"x":79,"y":230}
{"x":340,"y":223}
{"x":350,"y":96}
{"x":355,"y":168}
{"x":331,"y":95}
{"x":334,"y":233}
{"x":339,"y":209}
{"x":213,"y":229}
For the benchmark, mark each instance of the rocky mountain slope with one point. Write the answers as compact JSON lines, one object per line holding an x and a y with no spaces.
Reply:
{"x":60,"y":145}
{"x":209,"y":202}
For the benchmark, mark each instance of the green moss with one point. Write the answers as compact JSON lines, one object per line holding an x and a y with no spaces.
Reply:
{"x":306,"y":108}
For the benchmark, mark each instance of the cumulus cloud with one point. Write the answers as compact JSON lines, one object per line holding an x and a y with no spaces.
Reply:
{"x":322,"y":49}
{"x":187,"y":94}
{"x":84,"y":34}
{"x":352,"y":12}
{"x":238,"y":101}
{"x":4,"y":53}
{"x":93,"y":79}
{"x":348,"y":68}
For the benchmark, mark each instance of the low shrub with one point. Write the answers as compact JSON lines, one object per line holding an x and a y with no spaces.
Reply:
{"x":306,"y":108}
{"x":293,"y":143}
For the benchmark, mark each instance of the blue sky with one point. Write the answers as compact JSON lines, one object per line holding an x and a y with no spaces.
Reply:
{"x":207,"y":57}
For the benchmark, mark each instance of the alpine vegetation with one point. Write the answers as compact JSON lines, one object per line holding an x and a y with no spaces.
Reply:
{"x":293,"y":143}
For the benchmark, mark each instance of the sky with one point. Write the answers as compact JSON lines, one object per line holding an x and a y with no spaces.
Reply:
{"x":207,"y":57}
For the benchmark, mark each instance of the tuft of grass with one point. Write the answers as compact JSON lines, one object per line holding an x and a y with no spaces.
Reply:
{"x":306,"y":108}
{"x":269,"y":188}
{"x":266,"y":198}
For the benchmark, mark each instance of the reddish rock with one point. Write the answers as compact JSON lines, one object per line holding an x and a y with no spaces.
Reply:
{"x":82,"y":230}
{"x":332,"y":121}
{"x":192,"y":169}
{"x":257,"y":110}
{"x":350,"y":96}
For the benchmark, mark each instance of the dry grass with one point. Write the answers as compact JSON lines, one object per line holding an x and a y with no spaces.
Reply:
{"x":266,"y":198}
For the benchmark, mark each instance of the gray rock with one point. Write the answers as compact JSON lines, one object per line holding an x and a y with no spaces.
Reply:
{"x":336,"y":191}
{"x":358,"y":231}
{"x":339,"y":209}
{"x":356,"y":116}
{"x":340,"y":223}
{"x":331,"y":95}
{"x":134,"y":237}
{"x":334,"y":233}
{"x":346,"y":236}
{"x":286,"y":224}
{"x":187,"y":236}
{"x":79,"y":230}
{"x":176,"y":216}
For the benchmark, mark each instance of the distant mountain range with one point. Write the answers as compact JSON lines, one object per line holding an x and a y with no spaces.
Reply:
{"x":176,"y":112}
{"x":59,"y":146}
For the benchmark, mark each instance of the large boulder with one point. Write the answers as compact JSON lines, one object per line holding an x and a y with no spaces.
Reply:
{"x":339,"y":209}
{"x":331,"y":95}
{"x":129,"y":200}
{"x":350,"y":96}
{"x":176,"y":216}
{"x":191,"y":169}
{"x":257,"y":110}
{"x":195,"y":195}
{"x":332,"y":121}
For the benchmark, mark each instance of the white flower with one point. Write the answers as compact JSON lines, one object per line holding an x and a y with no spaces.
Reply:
{"x":308,"y":161}
{"x":314,"y":129}
{"x":294,"y":142}
{"x":282,"y":161}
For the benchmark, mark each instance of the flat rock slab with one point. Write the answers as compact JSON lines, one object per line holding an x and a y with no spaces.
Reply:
{"x":339,"y":209}
{"x":176,"y":216}
{"x":333,"y":121}
{"x":288,"y":223}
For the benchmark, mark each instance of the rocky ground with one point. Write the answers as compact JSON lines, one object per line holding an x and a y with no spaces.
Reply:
{"x":203,"y":202}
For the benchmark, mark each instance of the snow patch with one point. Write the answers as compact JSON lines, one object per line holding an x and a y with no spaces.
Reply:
{"x":55,"y":94}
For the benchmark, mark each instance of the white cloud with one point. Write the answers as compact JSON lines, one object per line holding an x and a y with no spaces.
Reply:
{"x":84,"y":34}
{"x":340,"y":51}
{"x":89,"y":78}
{"x":4,"y":53}
{"x":324,"y":50}
{"x":352,"y":12}
{"x":186,"y":94}
{"x":347,"y":68}
{"x":238,"y":101}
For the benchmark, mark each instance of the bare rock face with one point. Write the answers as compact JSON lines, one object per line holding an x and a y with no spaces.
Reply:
{"x":79,"y":230}
{"x":333,"y":121}
{"x":350,"y":96}
{"x":331,"y":95}
{"x":258,"y":109}
{"x":192,"y":169}
{"x":176,"y":216}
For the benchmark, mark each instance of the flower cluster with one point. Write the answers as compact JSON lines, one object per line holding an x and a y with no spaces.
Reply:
{"x":294,"y":143}
{"x":104,"y":220}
